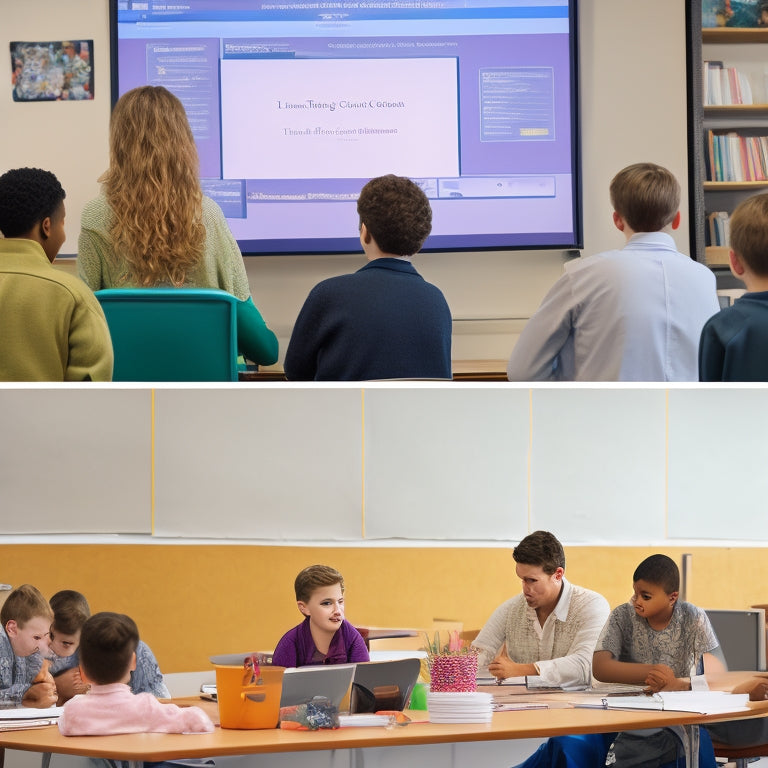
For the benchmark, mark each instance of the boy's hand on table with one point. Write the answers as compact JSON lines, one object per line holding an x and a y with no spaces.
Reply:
{"x":69,"y":684}
{"x":662,"y":678}
{"x":756,"y":687}
{"x":42,"y":692}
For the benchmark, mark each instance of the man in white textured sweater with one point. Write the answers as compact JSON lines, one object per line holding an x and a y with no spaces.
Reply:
{"x":550,"y":630}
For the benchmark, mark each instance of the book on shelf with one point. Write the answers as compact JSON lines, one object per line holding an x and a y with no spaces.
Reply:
{"x":736,"y":157}
{"x":725,"y":86}
{"x":718,"y":228}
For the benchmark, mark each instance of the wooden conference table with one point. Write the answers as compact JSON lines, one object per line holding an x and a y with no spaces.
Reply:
{"x":534,"y":723}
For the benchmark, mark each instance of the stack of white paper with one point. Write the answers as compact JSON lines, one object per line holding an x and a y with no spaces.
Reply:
{"x":28,"y":717}
{"x":473,"y":707}
{"x":365,"y":720}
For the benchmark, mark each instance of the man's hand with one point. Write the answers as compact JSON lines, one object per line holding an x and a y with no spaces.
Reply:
{"x":502,"y":666}
{"x":662,"y":678}
{"x":42,"y":693}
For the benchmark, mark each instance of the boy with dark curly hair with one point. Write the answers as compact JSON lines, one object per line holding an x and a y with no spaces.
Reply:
{"x":383,"y":321}
{"x":53,"y":326}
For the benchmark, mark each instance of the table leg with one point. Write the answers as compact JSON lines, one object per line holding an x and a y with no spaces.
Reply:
{"x":689,"y":736}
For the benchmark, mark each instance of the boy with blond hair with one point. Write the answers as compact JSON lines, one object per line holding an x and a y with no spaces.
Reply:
{"x":734,"y":343}
{"x":633,"y":314}
{"x":24,"y":677}
{"x":325,"y":636}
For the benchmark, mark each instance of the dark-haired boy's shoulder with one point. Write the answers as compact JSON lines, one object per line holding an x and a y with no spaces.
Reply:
{"x":331,"y":286}
{"x":688,"y":613}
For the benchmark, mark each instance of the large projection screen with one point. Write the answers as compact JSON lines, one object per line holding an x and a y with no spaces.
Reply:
{"x":296,"y":104}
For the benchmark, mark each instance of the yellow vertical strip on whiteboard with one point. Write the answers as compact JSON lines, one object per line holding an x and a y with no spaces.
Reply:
{"x":362,"y":459}
{"x":530,"y":453}
{"x":152,"y":460}
{"x":666,"y":464}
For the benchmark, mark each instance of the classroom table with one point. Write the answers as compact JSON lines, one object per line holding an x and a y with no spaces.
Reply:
{"x":539,"y":723}
{"x":463,"y":370}
{"x":384,"y":633}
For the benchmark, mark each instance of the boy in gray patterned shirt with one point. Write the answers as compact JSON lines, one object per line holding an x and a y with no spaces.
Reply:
{"x":654,"y":640}
{"x":658,"y":641}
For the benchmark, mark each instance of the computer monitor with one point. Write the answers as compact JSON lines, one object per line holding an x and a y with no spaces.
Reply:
{"x":742,"y":637}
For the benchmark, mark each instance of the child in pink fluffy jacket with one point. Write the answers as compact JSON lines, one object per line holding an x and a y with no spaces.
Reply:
{"x":107,"y":656}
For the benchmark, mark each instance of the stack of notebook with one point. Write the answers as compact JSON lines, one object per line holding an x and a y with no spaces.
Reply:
{"x":450,"y":707}
{"x":28,"y":717}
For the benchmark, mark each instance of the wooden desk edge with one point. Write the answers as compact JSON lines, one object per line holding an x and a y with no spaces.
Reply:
{"x":506,"y":725}
{"x":463,"y":370}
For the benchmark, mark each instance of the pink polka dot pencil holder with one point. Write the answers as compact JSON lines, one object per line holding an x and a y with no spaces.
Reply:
{"x":456,"y":672}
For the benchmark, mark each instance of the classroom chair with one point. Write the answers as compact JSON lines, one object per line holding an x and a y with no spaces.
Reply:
{"x":739,"y":756}
{"x":172,"y":334}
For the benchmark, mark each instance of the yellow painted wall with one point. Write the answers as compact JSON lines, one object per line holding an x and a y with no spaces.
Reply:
{"x":194,"y":600}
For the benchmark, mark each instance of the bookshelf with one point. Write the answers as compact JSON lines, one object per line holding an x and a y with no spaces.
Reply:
{"x":745,"y":49}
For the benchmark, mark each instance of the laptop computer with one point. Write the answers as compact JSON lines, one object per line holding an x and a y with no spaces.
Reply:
{"x":302,"y":684}
{"x":383,"y":685}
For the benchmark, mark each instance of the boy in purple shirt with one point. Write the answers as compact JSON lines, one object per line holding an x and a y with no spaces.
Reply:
{"x":325,"y":636}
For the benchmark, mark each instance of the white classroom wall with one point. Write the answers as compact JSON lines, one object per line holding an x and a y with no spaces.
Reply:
{"x":633,"y":109}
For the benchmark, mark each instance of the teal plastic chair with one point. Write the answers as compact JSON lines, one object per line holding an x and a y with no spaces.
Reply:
{"x":172,"y":334}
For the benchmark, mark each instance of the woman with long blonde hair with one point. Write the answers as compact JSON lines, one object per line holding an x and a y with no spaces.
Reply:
{"x":152,"y":226}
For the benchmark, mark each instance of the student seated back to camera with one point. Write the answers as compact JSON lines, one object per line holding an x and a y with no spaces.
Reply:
{"x":633,"y":314}
{"x":152,"y":226}
{"x":108,"y":644}
{"x":734,"y":343}
{"x":383,"y":321}
{"x":53,"y":328}
{"x":70,"y":612}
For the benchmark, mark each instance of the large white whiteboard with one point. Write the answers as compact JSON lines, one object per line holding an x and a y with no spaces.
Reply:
{"x":598,"y":464}
{"x":258,"y":463}
{"x":75,"y":460}
{"x":718,"y":444}
{"x":614,"y":465}
{"x":446,"y":464}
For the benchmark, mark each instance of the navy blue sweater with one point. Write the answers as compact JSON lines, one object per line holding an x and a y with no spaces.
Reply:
{"x":382,"y":322}
{"x":734,"y":342}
